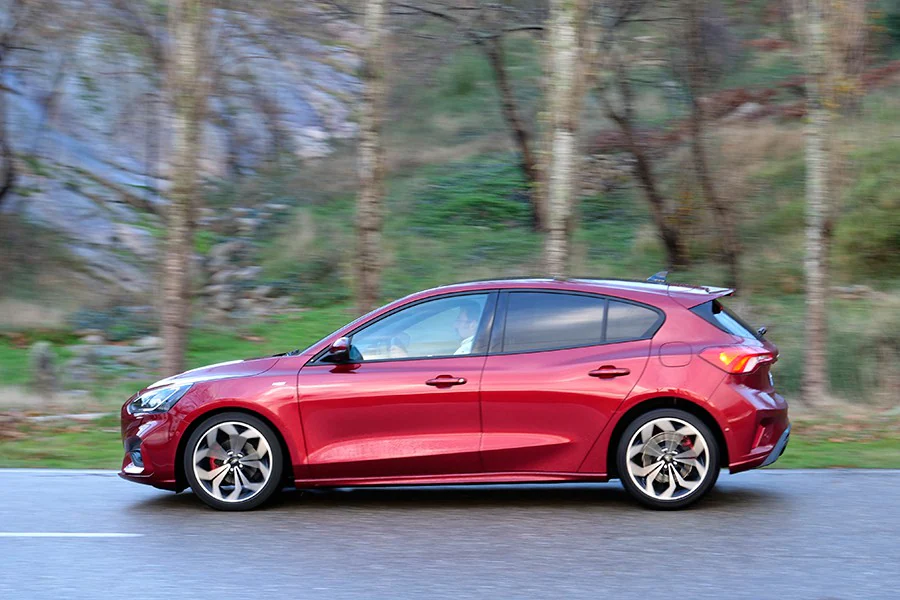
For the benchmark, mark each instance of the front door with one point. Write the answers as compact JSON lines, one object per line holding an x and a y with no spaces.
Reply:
{"x":408,"y":402}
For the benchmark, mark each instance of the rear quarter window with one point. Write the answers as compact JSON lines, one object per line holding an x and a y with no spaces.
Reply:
{"x":629,"y":321}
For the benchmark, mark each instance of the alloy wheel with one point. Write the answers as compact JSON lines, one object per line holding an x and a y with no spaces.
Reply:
{"x":232,"y":461}
{"x":668,"y":459}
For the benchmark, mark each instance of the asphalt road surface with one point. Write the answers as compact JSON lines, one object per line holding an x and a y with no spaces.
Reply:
{"x":765,"y":534}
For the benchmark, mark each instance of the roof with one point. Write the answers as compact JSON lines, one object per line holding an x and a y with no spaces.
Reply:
{"x":687,"y":295}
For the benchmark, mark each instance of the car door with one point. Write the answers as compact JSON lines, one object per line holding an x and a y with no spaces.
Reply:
{"x":407,"y":403}
{"x":560,"y":365}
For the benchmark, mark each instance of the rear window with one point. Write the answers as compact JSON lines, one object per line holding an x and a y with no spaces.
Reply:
{"x":716,"y":313}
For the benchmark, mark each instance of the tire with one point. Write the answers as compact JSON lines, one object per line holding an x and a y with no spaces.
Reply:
{"x":234,"y":461}
{"x":647,"y":458}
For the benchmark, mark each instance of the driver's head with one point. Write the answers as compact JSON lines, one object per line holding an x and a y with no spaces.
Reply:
{"x":467,"y":320}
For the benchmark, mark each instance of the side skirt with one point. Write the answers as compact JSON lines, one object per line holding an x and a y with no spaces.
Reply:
{"x":482,"y":478}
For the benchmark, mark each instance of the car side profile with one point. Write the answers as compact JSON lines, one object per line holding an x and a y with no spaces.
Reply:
{"x":531,"y":380}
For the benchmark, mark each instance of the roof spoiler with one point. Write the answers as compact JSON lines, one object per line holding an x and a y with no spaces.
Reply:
{"x":687,"y":294}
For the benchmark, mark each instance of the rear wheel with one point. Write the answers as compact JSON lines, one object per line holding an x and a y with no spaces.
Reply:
{"x":233,"y":461}
{"x":668,"y":459}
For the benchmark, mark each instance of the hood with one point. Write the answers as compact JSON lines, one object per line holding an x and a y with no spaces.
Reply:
{"x":225,"y":370}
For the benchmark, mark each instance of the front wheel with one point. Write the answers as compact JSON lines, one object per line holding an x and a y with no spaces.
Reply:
{"x":668,"y":459}
{"x":233,"y":461}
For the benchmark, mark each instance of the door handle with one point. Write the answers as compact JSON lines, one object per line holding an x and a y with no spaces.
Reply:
{"x":446,"y":380}
{"x":608,"y":372}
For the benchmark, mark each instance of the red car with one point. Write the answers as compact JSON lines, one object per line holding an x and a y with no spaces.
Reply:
{"x":496,"y":381}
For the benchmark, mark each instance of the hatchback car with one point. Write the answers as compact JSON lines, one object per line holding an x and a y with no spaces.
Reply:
{"x":532,"y":380}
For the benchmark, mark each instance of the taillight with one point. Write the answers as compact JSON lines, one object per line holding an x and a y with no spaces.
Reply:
{"x":737,"y":360}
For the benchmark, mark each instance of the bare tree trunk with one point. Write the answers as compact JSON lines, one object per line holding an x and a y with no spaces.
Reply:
{"x":566,"y":16}
{"x":494,"y":50}
{"x":724,"y":218}
{"x":676,"y":253}
{"x":729,"y":243}
{"x":8,"y":180}
{"x":812,"y":30}
{"x":187,"y":21}
{"x":369,"y":208}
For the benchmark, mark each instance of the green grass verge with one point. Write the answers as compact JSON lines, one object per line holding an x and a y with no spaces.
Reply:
{"x":97,"y":445}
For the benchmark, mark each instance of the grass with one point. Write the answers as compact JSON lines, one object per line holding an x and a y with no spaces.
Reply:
{"x":97,"y":445}
{"x":91,"y":445}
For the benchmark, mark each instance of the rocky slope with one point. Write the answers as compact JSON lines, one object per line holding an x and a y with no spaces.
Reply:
{"x":87,"y":120}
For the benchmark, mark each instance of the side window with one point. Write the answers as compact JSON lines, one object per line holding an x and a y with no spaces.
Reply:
{"x":441,"y":327}
{"x":544,"y":321}
{"x":629,"y":321}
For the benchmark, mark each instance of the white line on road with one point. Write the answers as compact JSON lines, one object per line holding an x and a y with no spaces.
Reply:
{"x":45,"y":534}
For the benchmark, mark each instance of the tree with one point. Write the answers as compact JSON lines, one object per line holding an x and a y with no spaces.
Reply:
{"x":565,"y":36}
{"x":187,"y":91}
{"x":661,"y":210}
{"x":811,"y":27}
{"x":13,"y":20}
{"x":699,"y":70}
{"x":486,"y":25}
{"x":617,"y":99}
{"x":370,"y":203}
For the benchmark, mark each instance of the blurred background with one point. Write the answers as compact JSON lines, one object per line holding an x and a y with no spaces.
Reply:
{"x":190,"y":181}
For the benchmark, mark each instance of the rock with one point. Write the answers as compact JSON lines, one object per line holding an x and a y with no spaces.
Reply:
{"x":82,"y":333}
{"x":140,"y":359}
{"x":748,"y":110}
{"x":137,"y":239}
{"x":222,"y":276}
{"x":246,"y":303}
{"x":248,"y":225}
{"x":224,"y":301}
{"x":853,"y":292}
{"x":42,"y":368}
{"x":93,"y":339}
{"x":218,"y":288}
{"x":262,"y":291}
{"x":247,"y":273}
{"x":149,"y":341}
{"x":276,"y":207}
{"x":227,"y":250}
{"x":282,"y":302}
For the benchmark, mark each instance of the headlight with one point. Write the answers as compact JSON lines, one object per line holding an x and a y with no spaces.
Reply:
{"x":157,"y":401}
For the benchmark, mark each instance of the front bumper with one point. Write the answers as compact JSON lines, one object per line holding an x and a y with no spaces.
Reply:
{"x":778,"y":450}
{"x":149,"y":450}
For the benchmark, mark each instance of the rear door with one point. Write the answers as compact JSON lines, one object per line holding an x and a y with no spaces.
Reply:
{"x":560,"y":364}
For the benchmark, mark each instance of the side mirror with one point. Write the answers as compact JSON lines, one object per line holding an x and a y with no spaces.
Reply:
{"x":339,"y":350}
{"x":762,"y":330}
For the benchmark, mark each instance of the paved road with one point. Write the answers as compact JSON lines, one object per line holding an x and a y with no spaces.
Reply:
{"x":771,"y":534}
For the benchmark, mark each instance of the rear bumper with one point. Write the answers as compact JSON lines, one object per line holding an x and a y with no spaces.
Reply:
{"x":754,"y":422}
{"x":778,"y":450}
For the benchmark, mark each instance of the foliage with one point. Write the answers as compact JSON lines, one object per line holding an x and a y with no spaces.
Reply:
{"x":868,"y":234}
{"x":483,"y":192}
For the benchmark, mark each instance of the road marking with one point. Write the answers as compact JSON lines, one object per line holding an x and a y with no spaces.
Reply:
{"x":46,"y":534}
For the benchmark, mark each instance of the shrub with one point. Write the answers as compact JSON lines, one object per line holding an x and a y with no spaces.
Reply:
{"x":483,"y":193}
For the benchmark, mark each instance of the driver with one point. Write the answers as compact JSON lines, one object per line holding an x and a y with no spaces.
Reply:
{"x":466,"y":326}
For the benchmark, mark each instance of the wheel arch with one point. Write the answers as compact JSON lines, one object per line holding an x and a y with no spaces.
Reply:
{"x":650,"y":404}
{"x":180,"y":477}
